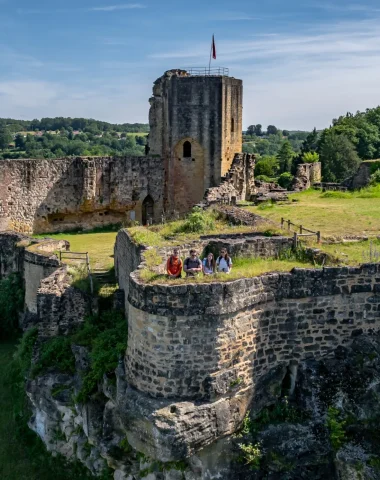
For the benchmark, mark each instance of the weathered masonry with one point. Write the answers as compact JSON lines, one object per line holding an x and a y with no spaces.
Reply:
{"x":196,"y":127}
{"x":214,"y":342}
{"x":61,"y":194}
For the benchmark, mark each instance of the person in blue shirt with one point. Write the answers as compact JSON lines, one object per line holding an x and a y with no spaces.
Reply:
{"x":208,"y":264}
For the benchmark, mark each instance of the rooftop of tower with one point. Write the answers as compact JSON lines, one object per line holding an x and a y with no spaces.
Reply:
{"x":200,"y":72}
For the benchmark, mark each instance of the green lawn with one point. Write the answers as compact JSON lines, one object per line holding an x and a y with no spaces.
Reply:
{"x":334,"y":214}
{"x":22,"y":454}
{"x":99,"y":245}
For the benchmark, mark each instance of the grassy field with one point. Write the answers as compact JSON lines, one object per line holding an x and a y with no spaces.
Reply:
{"x":22,"y":454}
{"x":354,"y":253}
{"x":335,"y":214}
{"x":99,"y":245}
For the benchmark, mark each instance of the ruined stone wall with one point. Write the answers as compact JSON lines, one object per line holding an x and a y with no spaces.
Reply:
{"x":362,"y":177}
{"x":205,"y":111}
{"x":198,"y":340}
{"x":239,"y":181}
{"x":60,"y":194}
{"x":307,"y":175}
{"x":11,"y":253}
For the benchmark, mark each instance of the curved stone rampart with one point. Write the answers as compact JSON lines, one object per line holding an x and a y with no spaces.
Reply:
{"x":195,"y":341}
{"x":198,"y":340}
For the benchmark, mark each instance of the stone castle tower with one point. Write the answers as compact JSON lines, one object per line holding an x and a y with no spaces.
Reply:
{"x":196,"y":128}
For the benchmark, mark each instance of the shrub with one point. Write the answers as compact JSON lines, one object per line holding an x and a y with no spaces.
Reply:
{"x":285,"y":180}
{"x":106,"y":338}
{"x":310,"y":157}
{"x":55,"y":353}
{"x":264,"y":178}
{"x":336,"y":428}
{"x":198,"y":221}
{"x":252,"y":455}
{"x":11,"y":303}
{"x":375,"y":177}
{"x":267,"y":166}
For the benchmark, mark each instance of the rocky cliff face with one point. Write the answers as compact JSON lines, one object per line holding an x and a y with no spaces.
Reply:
{"x":319,"y":421}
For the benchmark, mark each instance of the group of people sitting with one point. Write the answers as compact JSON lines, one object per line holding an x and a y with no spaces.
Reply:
{"x":192,"y":265}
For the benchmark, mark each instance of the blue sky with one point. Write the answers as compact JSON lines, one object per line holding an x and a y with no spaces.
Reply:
{"x":302,"y":63}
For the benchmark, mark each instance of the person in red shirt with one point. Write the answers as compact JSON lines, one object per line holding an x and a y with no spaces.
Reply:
{"x":174,"y":265}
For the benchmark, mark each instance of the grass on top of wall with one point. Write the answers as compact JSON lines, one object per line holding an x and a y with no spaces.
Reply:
{"x":242,"y":268}
{"x":334,"y":214}
{"x":190,"y":229}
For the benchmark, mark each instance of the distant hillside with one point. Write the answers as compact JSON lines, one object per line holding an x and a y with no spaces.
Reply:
{"x":87,"y":125}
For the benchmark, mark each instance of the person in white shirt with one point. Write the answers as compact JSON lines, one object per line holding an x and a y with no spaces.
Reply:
{"x":208,"y":265}
{"x":224,"y":262}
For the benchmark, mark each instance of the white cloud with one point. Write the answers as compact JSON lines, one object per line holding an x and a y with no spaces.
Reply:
{"x":112,"y":8}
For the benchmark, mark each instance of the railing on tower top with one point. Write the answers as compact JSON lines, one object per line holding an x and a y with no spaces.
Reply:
{"x":208,"y":72}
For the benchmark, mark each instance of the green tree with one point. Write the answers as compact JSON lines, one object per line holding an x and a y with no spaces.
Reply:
{"x":285,"y":157}
{"x":20,"y":142}
{"x":251,"y":130}
{"x":258,"y":130}
{"x":267,"y":166}
{"x":5,"y":138}
{"x":272,"y":130}
{"x":285,"y":133}
{"x":338,"y":156}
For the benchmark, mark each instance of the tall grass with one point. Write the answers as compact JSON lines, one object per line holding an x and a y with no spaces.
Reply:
{"x":372,"y":191}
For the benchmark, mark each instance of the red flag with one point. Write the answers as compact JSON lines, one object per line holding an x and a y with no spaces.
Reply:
{"x":213,"y":48}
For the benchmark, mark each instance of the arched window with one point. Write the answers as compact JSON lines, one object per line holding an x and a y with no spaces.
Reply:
{"x":187,"y":149}
{"x":232,"y":125}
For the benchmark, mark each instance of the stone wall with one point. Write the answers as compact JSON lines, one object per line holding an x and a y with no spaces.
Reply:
{"x":362,"y":177}
{"x":11,"y":253}
{"x":60,"y":194}
{"x":195,"y":340}
{"x":239,"y":181}
{"x":307,"y":175}
{"x":205,"y":111}
{"x":60,"y":307}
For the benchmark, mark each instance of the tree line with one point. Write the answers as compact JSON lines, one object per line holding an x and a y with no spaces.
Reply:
{"x":340,"y":148}
{"x":66,"y":143}
{"x":87,"y":125}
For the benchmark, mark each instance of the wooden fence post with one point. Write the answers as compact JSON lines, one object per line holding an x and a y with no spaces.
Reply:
{"x":282,"y":223}
{"x":318,"y":237}
{"x":289,"y":225}
{"x":295,"y":240}
{"x":301,"y":229}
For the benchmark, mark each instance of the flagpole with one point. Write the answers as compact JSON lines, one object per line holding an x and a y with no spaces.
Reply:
{"x":209,"y":63}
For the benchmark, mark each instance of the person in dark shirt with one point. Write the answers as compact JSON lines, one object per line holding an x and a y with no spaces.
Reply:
{"x":192,"y":265}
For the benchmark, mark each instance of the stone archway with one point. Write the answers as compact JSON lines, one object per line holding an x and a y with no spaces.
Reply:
{"x":147,"y":210}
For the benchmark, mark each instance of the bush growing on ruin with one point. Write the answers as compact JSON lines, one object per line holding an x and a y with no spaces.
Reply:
{"x":198,"y":221}
{"x":310,"y":157}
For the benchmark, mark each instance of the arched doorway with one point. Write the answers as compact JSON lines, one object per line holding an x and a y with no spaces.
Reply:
{"x":147,"y":210}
